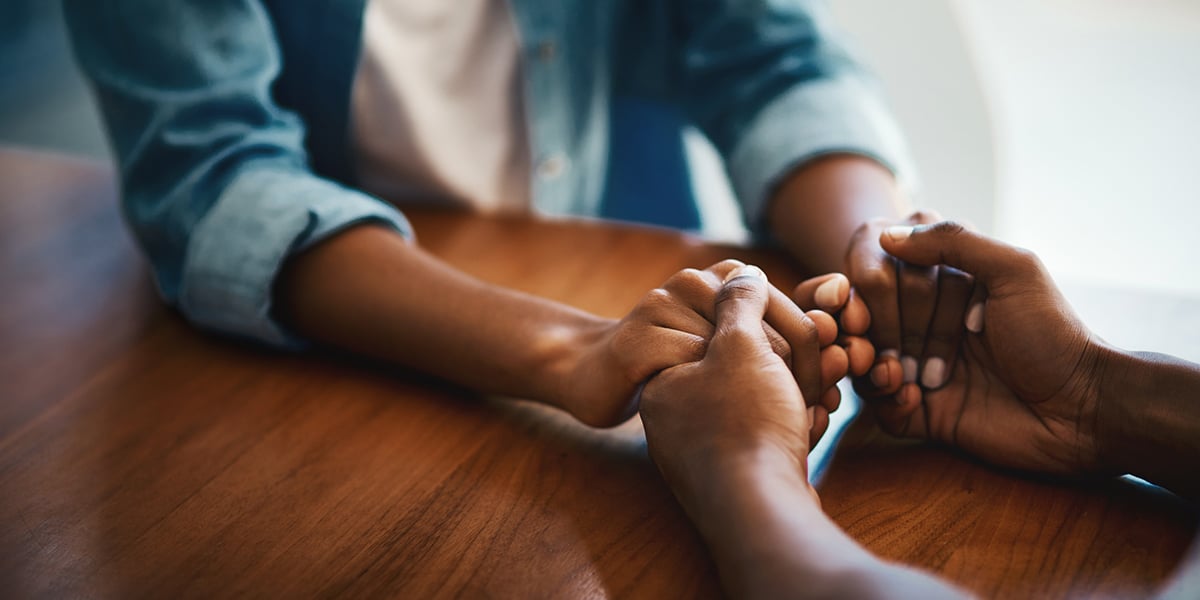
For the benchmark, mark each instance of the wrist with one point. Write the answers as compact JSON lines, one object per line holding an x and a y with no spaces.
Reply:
{"x":732,"y":480}
{"x":1148,"y":419}
{"x":1116,"y":371}
{"x":567,"y":349}
{"x":735,"y":497}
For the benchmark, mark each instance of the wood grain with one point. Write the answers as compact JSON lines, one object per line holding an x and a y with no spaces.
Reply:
{"x":140,"y":457}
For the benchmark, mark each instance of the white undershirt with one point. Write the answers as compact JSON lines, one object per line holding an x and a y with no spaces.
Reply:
{"x":436,"y":107}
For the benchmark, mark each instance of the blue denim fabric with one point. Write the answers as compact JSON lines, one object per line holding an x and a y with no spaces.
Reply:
{"x":229,"y":121}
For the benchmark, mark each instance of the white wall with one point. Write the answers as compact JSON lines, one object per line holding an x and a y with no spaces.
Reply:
{"x":1097,"y":105}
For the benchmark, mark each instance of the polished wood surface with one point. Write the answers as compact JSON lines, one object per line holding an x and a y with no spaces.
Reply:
{"x":141,"y":457}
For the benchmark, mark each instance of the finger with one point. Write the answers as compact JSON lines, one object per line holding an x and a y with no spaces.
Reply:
{"x":787,"y":319}
{"x":855,"y":317}
{"x":918,"y":287}
{"x":778,"y":343}
{"x":803,"y":336}
{"x":900,"y":414}
{"x":860,"y":352}
{"x":973,"y":320}
{"x":833,"y":369}
{"x":826,"y":292}
{"x":696,"y":289}
{"x":818,"y":420}
{"x":991,"y":261}
{"x":831,"y":399}
{"x":664,"y":308}
{"x":883,"y":379}
{"x":834,"y":363}
{"x":662,"y":349}
{"x":946,"y":327}
{"x":741,"y":304}
{"x":873,"y":274}
{"x":827,"y":331}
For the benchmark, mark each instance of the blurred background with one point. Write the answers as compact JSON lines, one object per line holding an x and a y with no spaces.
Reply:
{"x":1071,"y":127}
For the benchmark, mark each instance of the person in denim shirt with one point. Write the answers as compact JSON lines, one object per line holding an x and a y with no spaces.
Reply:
{"x":231,"y":123}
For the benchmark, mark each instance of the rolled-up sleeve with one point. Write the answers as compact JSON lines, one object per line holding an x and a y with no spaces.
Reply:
{"x":215,"y":183}
{"x":773,"y":85}
{"x":838,"y":115}
{"x":236,"y":250}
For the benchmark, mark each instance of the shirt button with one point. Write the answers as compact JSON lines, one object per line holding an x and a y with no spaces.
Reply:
{"x":553,"y":166}
{"x":546,"y":51}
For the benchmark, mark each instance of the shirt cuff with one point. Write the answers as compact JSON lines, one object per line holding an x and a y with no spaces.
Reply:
{"x":842,"y":115}
{"x":237,"y":249}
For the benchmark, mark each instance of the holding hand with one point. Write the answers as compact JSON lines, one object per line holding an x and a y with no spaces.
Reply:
{"x":672,"y":326}
{"x":916,"y":314}
{"x":731,"y":435}
{"x":1025,"y":391}
{"x":738,"y":401}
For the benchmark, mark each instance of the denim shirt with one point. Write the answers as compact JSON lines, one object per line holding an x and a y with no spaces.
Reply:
{"x":229,"y":120}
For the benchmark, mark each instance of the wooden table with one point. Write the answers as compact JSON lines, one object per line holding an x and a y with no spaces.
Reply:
{"x":141,"y":457}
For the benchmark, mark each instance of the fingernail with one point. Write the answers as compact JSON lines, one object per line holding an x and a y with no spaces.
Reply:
{"x":908,"y":364}
{"x":879,"y":375}
{"x":829,"y":293}
{"x":890,"y":353}
{"x":975,"y":318}
{"x":899,"y":233}
{"x":934,"y":374}
{"x":746,"y":271}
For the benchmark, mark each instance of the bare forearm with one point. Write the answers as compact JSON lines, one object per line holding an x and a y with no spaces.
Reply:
{"x":370,"y":291}
{"x":1149,"y":419}
{"x":770,"y":539}
{"x":816,"y":210}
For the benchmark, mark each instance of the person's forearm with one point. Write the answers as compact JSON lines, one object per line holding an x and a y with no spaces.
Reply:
{"x":1149,"y":419}
{"x":815,"y":210}
{"x":369,"y":291}
{"x":769,"y":537}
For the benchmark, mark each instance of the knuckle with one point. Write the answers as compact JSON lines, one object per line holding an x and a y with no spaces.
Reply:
{"x":1026,"y":259}
{"x":657,"y":298}
{"x":807,"y":330}
{"x":690,"y":282}
{"x":920,"y":283}
{"x":726,"y":266}
{"x":686,"y":276}
{"x":739,"y":289}
{"x":875,"y":280}
{"x":948,"y":228}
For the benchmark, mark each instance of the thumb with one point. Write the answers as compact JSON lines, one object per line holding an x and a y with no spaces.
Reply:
{"x":742,"y":303}
{"x":950,"y":243}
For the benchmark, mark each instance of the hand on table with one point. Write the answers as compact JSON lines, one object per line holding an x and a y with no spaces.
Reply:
{"x":671,"y":326}
{"x":1024,"y":393}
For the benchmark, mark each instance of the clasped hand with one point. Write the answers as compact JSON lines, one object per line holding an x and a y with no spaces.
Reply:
{"x":1020,"y":390}
{"x":672,"y":325}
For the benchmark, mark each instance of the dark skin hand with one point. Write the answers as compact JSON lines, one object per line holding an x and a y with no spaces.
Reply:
{"x":1035,"y":389}
{"x":829,"y":214}
{"x":730,"y":435}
